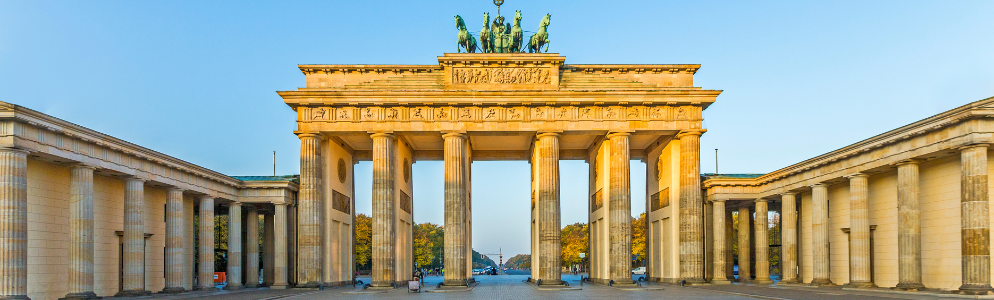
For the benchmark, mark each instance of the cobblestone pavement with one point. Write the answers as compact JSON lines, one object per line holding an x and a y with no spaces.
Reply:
{"x":512,"y":287}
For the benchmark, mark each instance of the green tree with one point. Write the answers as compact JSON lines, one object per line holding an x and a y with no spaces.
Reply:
{"x":428,"y":245}
{"x":363,"y":241}
{"x":638,"y":236}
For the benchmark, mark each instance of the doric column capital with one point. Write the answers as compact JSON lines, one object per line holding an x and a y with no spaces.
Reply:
{"x":280,"y":204}
{"x":547,"y":134}
{"x":453,"y":134}
{"x":234,"y":204}
{"x":316,"y":135}
{"x":16,"y":150}
{"x":857,"y":175}
{"x":80,"y":165}
{"x":618,"y":134}
{"x":206,"y":198}
{"x":820,"y":184}
{"x":788,"y":193}
{"x":763,"y":200}
{"x":691,"y":132}
{"x":910,"y":161}
{"x":718,"y":200}
{"x":134,"y":178}
{"x":967,"y":147}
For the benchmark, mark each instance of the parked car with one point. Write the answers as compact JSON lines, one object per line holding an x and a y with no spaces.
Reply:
{"x":477,"y":271}
{"x":638,"y":271}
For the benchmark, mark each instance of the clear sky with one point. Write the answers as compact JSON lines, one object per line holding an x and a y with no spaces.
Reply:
{"x":197,"y":79}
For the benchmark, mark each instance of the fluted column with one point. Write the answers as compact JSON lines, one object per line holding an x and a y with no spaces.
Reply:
{"x":550,"y":244}
{"x":279,"y":247}
{"x":819,"y":234}
{"x":762,"y":242}
{"x":729,"y":240}
{"x":268,"y":257}
{"x":205,"y":271}
{"x":234,"y":273}
{"x":13,"y":223}
{"x":691,"y":225}
{"x":80,"y":279}
{"x":788,"y":230}
{"x":718,"y":218}
{"x":745,"y":265}
{"x":252,"y":249}
{"x":310,"y":246}
{"x":975,"y":212}
{"x":455,"y":209}
{"x":620,"y":205}
{"x":175,"y":242}
{"x":859,"y":232}
{"x":134,"y":238}
{"x":384,"y":210}
{"x":909,"y":227}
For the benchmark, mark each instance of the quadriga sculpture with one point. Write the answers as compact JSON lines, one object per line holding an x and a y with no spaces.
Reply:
{"x":466,"y":40}
{"x":541,"y":37}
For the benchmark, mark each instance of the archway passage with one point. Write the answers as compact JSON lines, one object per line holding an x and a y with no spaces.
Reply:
{"x":473,"y":107}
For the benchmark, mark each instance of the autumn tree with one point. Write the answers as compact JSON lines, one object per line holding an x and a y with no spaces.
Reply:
{"x":429,"y":245}
{"x":574,"y":242}
{"x":363,"y":241}
{"x":638,"y":236}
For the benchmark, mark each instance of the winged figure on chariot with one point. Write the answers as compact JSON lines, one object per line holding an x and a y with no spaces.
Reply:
{"x":500,"y":37}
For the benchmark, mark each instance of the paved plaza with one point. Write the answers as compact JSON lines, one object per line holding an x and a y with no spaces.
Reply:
{"x":512,"y":287}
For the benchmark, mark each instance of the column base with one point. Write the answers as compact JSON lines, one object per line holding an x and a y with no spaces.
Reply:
{"x":541,"y":282}
{"x":279,"y":286}
{"x":720,"y":281}
{"x":859,"y":285}
{"x":762,"y":281}
{"x":172,"y":290}
{"x":790,"y":281}
{"x":822,"y":282}
{"x":206,"y":288}
{"x":133,"y":293}
{"x":15,"y":297}
{"x":455,"y":282}
{"x":914,"y":287}
{"x":233,"y":287}
{"x":250,"y":285}
{"x":976,"y":289}
{"x":83,"y":295}
{"x":309,"y":285}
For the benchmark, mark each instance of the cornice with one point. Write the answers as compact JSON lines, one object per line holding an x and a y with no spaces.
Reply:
{"x":635,"y":68}
{"x":27,"y":116}
{"x":360,"y":69}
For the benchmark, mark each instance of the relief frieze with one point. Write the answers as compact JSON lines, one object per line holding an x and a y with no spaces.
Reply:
{"x":499,"y":113}
{"x":501,"y":76}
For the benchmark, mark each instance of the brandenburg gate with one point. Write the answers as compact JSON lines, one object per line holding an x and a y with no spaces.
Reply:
{"x":500,"y":106}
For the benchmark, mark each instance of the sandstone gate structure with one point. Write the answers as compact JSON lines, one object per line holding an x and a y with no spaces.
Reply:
{"x":500,"y":107}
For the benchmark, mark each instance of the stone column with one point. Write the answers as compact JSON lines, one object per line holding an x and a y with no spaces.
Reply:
{"x":134,"y":238}
{"x":819,"y":234}
{"x":175,"y":242}
{"x":745,"y":265}
{"x":788,"y":230}
{"x":80,"y":279}
{"x":762,"y":242}
{"x":729,"y":239}
{"x":691,"y":225}
{"x":909,"y":227}
{"x":310,"y":245}
{"x":268,"y":253}
{"x":279,"y":247}
{"x":719,"y":241}
{"x":234,"y":274}
{"x":975,"y":212}
{"x":384,"y":211}
{"x":13,"y":223}
{"x":550,"y":244}
{"x":620,"y":209}
{"x":252,"y":249}
{"x":455,"y":209}
{"x":205,"y":270}
{"x":859,"y":232}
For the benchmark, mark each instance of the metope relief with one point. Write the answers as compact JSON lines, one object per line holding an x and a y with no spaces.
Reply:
{"x":491,"y":114}
{"x":392,"y":114}
{"x":370,"y":113}
{"x":501,"y":76}
{"x":420,"y":113}
{"x":320,"y":114}
{"x":501,"y":113}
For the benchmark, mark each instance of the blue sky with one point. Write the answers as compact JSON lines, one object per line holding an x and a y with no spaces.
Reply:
{"x":197,"y":79}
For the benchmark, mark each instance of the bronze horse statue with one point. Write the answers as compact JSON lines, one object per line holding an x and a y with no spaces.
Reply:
{"x":466,"y":39}
{"x":516,"y":34}
{"x":486,"y":39}
{"x":541,"y":37}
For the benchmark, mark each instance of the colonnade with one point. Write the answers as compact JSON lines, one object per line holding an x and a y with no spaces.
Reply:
{"x":975,"y":230}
